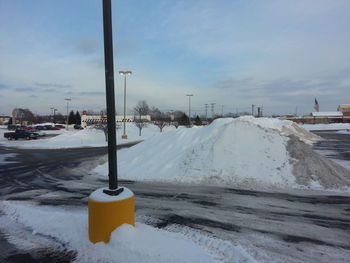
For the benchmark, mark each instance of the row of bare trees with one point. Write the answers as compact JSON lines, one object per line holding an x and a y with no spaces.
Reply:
{"x":27,"y":117}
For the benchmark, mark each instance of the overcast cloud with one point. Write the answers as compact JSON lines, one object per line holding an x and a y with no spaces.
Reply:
{"x":278,"y":54}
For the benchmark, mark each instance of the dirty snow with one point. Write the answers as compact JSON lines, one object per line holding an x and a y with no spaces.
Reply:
{"x":65,"y":229}
{"x":325,"y":127}
{"x":344,"y":132}
{"x":244,"y":152}
{"x":4,"y":158}
{"x":99,"y":196}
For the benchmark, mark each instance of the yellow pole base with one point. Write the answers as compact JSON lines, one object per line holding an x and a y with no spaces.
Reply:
{"x":124,"y":136}
{"x":106,"y":213}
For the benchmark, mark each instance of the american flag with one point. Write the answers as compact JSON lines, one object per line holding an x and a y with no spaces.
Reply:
{"x":317,"y":106}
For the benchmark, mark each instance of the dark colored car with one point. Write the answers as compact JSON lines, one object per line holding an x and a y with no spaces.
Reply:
{"x":40,"y":127}
{"x":12,"y":127}
{"x":21,"y":134}
{"x":78,"y":127}
{"x":59,"y":126}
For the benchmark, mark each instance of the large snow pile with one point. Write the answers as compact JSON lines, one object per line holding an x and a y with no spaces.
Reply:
{"x":243,"y":152}
{"x":64,"y":230}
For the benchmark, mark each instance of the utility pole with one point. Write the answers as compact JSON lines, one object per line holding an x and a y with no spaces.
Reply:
{"x":189,"y":109}
{"x":206,"y":112}
{"x":68,"y":100}
{"x":54,"y":115}
{"x":212,"y":109}
{"x":51,"y":114}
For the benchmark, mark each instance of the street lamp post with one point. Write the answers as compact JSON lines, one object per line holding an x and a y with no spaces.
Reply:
{"x":189,"y":108}
{"x":51,"y":113}
{"x":125,"y":73}
{"x":206,"y":112}
{"x":54,"y":114}
{"x":110,"y":100}
{"x":68,"y":100}
{"x":212,"y":110}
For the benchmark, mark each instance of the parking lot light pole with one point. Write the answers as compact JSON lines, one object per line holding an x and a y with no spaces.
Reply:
{"x":51,"y":114}
{"x":54,"y":115}
{"x":68,"y":100}
{"x":125,"y":73}
{"x":110,"y":100}
{"x":189,"y":109}
{"x":110,"y":207}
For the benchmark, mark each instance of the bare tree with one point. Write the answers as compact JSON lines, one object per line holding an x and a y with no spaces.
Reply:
{"x":23,"y":115}
{"x":102,"y":125}
{"x":175,"y":123}
{"x":155,"y":113}
{"x":161,"y":124}
{"x":140,"y":109}
{"x":140,"y":124}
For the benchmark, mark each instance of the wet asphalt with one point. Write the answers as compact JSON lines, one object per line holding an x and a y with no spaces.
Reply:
{"x":297,"y":225}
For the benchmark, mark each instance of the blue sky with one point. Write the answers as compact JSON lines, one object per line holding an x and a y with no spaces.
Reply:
{"x":276,"y":54}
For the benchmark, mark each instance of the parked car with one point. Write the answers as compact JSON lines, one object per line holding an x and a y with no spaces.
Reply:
{"x":21,"y":134}
{"x":26,"y":128}
{"x":59,"y":126}
{"x":78,"y":127}
{"x":12,"y":127}
{"x":40,"y":132}
{"x":40,"y":127}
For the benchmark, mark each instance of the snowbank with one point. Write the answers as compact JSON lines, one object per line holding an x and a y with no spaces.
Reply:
{"x":344,"y":132}
{"x":244,"y":152}
{"x":326,"y":127}
{"x":63,"y":229}
{"x":88,"y":137}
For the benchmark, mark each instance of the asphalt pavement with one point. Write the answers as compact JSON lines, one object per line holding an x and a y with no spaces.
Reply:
{"x":289,"y":226}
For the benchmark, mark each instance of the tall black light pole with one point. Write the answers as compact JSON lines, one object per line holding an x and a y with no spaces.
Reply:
{"x":189,"y":109}
{"x":109,"y":76}
{"x":54,"y":115}
{"x":68,"y":100}
{"x":206,"y":112}
{"x":125,"y":73}
{"x":51,"y":114}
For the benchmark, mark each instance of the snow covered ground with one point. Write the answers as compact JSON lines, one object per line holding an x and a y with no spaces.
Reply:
{"x":244,"y":152}
{"x":54,"y":226}
{"x":4,"y":158}
{"x":83,"y":138}
{"x":326,"y":127}
{"x":344,"y":131}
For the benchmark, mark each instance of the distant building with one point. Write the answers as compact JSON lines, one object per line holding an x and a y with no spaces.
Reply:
{"x":345,"y":109}
{"x":87,"y":120}
{"x":320,"y":117}
{"x":327,"y":114}
{"x":4,"y":120}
